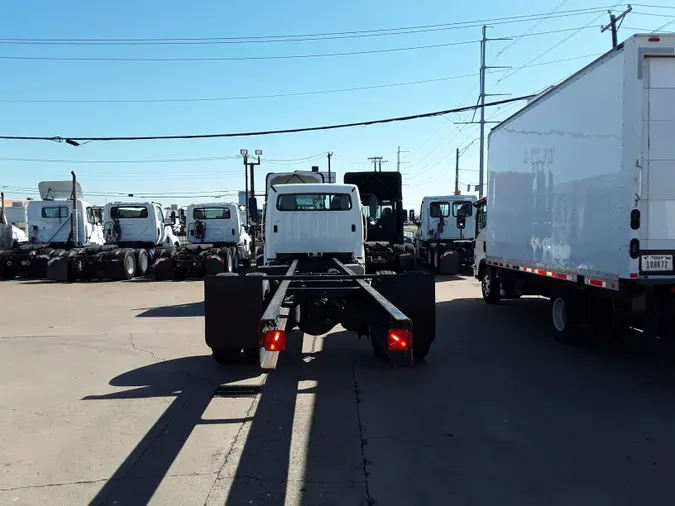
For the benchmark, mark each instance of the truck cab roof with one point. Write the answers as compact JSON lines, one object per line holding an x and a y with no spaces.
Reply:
{"x":314,"y":188}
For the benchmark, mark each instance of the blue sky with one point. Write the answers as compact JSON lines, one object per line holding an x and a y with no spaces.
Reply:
{"x":429,"y":144}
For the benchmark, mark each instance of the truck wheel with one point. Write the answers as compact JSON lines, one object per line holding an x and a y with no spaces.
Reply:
{"x":235,"y":259}
{"x":398,"y":248}
{"x":142,"y":262}
{"x":420,"y":348}
{"x":229,"y":261}
{"x":226,"y":355}
{"x":489,"y":286}
{"x":129,"y":265}
{"x":252,"y":353}
{"x":409,"y":248}
{"x":565,"y":318}
{"x":437,"y":261}
{"x":378,"y":350}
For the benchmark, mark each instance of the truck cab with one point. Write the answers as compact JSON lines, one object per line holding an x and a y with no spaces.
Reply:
{"x":480,"y":250}
{"x":217,"y":224}
{"x":446,"y":232}
{"x":311,"y":221}
{"x":50,"y":220}
{"x":137,"y":224}
{"x":438,"y":218}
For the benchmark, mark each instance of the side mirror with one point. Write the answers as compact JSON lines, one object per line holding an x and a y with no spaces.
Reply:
{"x":461,"y":218}
{"x":253,"y":209}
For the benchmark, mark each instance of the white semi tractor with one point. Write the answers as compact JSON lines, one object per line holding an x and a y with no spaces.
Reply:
{"x":446,"y":227}
{"x":135,"y":234}
{"x":58,"y":225}
{"x":580,"y":205}
{"x":218,"y":242}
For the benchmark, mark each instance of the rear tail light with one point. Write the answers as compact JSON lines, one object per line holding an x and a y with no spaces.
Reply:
{"x":398,"y":340}
{"x":634,"y":248}
{"x":274,"y":340}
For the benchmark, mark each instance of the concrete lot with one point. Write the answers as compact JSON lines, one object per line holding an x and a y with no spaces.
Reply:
{"x":107,"y":397}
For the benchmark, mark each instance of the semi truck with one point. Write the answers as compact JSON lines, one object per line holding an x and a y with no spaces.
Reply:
{"x":442,"y":241}
{"x":59,"y":224}
{"x":135,"y":233}
{"x":313,"y":277}
{"x":581,"y":202}
{"x":218,"y":241}
{"x":382,"y":200}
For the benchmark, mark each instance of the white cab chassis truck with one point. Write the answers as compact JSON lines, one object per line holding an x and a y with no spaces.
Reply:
{"x":218,"y":242}
{"x":446,"y":232}
{"x":135,"y":234}
{"x":580,"y":205}
{"x":59,"y":225}
{"x":313,"y":277}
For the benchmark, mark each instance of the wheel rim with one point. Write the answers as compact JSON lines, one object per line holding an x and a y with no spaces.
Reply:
{"x":486,"y":285}
{"x":144,"y":262}
{"x":230,"y":263}
{"x":129,"y":263}
{"x":559,"y":314}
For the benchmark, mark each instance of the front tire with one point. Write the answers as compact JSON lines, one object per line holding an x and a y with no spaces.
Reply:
{"x":490,"y":286}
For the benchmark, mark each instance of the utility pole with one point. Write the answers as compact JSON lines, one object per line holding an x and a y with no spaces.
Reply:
{"x":398,"y":159}
{"x":330,"y":155}
{"x":481,"y":104}
{"x":613,"y":20}
{"x":244,"y":153}
{"x":457,"y":172}
{"x":377,"y":163}
{"x":250,"y":200}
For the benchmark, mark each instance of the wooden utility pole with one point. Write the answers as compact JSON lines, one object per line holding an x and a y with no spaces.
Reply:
{"x":613,"y":20}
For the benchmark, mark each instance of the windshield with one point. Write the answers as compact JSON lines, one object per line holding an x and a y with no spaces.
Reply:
{"x":375,"y":209}
{"x":314,"y":202}
{"x":211,"y":213}
{"x":59,"y":212}
{"x":128,"y":212}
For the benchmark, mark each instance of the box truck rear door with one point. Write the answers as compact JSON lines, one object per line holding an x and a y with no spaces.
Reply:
{"x":657,"y":228}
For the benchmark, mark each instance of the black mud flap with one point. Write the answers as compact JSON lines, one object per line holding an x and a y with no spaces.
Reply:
{"x":233,"y":307}
{"x":414,"y":294}
{"x":58,"y":269}
{"x":214,"y":264}
{"x":163,"y":269}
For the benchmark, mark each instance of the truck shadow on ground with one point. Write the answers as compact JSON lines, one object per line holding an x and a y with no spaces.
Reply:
{"x":191,"y":382}
{"x":176,"y":311}
{"x":498,"y":401}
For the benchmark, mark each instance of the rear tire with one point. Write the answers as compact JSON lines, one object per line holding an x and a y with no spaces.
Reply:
{"x":229,"y":261}
{"x":489,"y":286}
{"x":142,"y":262}
{"x":128,"y":265}
{"x":378,"y":350}
{"x":226,"y":355}
{"x":565,"y":318}
{"x":235,"y":259}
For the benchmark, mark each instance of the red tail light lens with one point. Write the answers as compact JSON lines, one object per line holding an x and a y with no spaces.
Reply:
{"x":274,"y":340}
{"x":399,"y":340}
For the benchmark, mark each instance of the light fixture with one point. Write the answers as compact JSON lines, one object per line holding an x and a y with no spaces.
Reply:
{"x":258,"y":152}
{"x":243,"y":152}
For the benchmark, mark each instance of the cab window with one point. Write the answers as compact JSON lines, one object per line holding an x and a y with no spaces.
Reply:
{"x":128,"y":212}
{"x":60,"y":212}
{"x":439,"y":209}
{"x":211,"y":213}
{"x":456,"y":206}
{"x":90,"y":216}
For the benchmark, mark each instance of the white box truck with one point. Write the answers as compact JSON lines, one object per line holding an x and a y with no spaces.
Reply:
{"x":580,"y":205}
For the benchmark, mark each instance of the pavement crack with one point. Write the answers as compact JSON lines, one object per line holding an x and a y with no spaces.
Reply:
{"x":47,"y":485}
{"x":235,"y":440}
{"x":359,"y":398}
{"x":133,"y":345}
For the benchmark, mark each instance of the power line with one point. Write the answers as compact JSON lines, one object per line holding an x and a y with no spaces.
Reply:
{"x":122,"y":162}
{"x":300,"y":37}
{"x":274,"y":57}
{"x":232,"y":58}
{"x":77,"y":140}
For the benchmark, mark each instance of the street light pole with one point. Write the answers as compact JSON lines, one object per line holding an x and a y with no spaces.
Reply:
{"x":252,"y":215}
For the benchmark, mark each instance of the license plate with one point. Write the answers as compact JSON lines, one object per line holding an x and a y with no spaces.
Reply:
{"x":657,"y":262}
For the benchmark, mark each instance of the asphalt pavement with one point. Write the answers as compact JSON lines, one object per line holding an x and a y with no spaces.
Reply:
{"x":108,"y":396}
